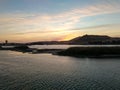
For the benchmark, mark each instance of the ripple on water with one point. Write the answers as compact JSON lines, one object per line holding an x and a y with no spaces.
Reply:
{"x":48,"y":72}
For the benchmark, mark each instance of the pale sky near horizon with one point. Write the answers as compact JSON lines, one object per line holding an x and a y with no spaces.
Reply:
{"x":38,"y":20}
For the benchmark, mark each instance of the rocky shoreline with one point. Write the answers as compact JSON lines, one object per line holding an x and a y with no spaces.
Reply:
{"x":26,"y":49}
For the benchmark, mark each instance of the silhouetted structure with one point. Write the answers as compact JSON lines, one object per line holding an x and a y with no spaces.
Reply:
{"x":6,"y":42}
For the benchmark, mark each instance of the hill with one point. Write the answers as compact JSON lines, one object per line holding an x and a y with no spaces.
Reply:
{"x":95,"y":39}
{"x":81,"y":40}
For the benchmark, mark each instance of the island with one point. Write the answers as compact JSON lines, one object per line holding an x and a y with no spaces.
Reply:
{"x":92,"y":52}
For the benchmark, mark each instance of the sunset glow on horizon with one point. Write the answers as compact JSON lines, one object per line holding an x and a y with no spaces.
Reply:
{"x":47,"y":20}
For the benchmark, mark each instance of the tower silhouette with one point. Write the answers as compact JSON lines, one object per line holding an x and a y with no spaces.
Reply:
{"x":6,"y":41}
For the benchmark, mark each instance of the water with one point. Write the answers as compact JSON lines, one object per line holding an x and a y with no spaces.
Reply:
{"x":67,"y":46}
{"x":22,"y":71}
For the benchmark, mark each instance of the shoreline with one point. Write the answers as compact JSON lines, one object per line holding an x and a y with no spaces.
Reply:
{"x":26,"y":49}
{"x":79,"y":52}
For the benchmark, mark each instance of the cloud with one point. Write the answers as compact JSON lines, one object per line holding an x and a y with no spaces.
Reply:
{"x":22,"y":23}
{"x":95,"y":27}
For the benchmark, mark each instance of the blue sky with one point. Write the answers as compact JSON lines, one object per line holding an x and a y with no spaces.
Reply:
{"x":35,"y":20}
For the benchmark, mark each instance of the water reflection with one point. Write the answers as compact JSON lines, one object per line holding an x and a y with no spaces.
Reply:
{"x":20,"y":71}
{"x":67,"y":46}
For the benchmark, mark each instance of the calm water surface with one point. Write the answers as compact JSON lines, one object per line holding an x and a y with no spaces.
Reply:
{"x":21,"y":71}
{"x":67,"y":46}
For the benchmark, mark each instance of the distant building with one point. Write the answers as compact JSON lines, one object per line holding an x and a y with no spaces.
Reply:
{"x":6,"y":41}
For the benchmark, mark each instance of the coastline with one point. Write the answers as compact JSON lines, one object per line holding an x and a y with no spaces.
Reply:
{"x":80,"y":52}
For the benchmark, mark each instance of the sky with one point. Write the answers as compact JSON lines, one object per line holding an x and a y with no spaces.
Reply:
{"x":57,"y":20}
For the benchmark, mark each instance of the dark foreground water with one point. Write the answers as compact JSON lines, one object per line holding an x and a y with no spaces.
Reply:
{"x":20,"y":71}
